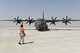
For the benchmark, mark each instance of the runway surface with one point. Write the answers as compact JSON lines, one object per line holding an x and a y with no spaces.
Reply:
{"x":56,"y":40}
{"x":59,"y":39}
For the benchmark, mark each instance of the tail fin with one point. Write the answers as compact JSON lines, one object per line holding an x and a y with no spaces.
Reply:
{"x":43,"y":14}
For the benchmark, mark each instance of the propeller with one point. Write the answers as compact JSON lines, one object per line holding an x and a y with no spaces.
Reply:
{"x":17,"y":20}
{"x":29,"y":20}
{"x":66,"y":20}
{"x":53,"y":20}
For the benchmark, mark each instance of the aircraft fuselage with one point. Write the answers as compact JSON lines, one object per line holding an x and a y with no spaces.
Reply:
{"x":40,"y":24}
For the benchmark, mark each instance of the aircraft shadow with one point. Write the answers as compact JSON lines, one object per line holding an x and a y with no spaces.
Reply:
{"x":45,"y":30}
{"x":65,"y":29}
{"x":24,"y":29}
{"x":29,"y":42}
{"x":49,"y":29}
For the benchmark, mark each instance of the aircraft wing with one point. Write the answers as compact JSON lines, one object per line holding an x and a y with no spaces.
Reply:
{"x":62,"y":20}
{"x":6,"y":20}
{"x":53,"y":21}
{"x":28,"y":20}
{"x":75,"y":20}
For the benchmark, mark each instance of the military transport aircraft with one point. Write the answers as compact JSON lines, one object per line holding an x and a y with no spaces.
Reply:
{"x":41,"y":24}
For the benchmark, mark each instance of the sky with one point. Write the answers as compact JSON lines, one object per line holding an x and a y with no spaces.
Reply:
{"x":34,"y":8}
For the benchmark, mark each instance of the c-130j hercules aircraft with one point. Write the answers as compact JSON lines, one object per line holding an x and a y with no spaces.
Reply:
{"x":41,"y":24}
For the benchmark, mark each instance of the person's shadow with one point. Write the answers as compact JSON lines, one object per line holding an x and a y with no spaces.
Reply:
{"x":29,"y":42}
